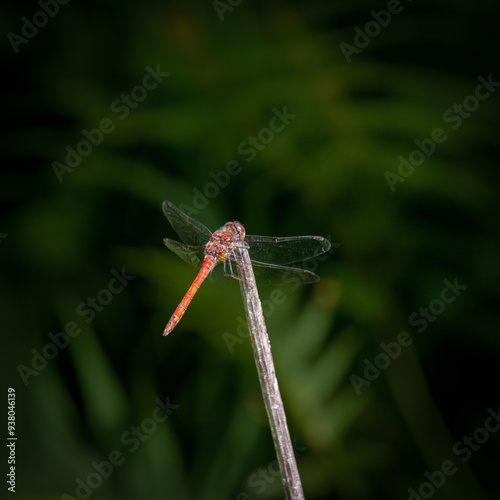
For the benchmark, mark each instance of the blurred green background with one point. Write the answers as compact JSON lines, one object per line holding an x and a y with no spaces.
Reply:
{"x":330,"y":170}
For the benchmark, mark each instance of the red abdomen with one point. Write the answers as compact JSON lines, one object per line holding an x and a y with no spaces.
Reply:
{"x":208,"y":265}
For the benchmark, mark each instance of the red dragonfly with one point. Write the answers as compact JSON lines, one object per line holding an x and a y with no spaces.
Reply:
{"x":203,"y":248}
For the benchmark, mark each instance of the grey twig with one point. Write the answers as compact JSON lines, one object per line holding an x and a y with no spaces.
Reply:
{"x":268,"y":380}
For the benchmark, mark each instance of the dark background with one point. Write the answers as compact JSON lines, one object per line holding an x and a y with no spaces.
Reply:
{"x":324,"y":173}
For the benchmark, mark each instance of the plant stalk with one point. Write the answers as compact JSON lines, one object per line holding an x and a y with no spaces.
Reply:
{"x":268,"y":381}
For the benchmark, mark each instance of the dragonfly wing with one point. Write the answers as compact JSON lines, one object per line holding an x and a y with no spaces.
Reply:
{"x":190,"y":231}
{"x":190,"y":254}
{"x":266,"y":274}
{"x":286,"y":250}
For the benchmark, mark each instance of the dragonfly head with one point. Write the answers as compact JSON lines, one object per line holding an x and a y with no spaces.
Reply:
{"x":237,"y":228}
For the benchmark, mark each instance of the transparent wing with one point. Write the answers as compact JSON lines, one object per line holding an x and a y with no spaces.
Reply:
{"x":266,"y":274}
{"x":190,"y":254}
{"x":271,"y":274}
{"x":190,"y":231}
{"x":285,"y":250}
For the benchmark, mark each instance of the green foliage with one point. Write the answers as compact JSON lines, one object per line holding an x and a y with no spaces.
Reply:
{"x":323,"y":169}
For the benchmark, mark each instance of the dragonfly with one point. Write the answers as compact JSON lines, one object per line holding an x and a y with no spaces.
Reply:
{"x":269,"y":255}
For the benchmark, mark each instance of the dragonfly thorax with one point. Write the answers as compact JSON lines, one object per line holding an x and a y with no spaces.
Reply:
{"x":224,"y":241}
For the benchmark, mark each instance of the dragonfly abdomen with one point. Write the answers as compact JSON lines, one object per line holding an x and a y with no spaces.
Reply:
{"x":208,"y":265}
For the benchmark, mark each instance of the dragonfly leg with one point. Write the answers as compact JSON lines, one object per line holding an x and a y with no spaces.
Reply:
{"x":228,"y":269}
{"x":228,"y":263}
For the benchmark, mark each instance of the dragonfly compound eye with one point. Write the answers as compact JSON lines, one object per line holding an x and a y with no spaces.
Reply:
{"x":240,"y":230}
{"x":237,"y":228}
